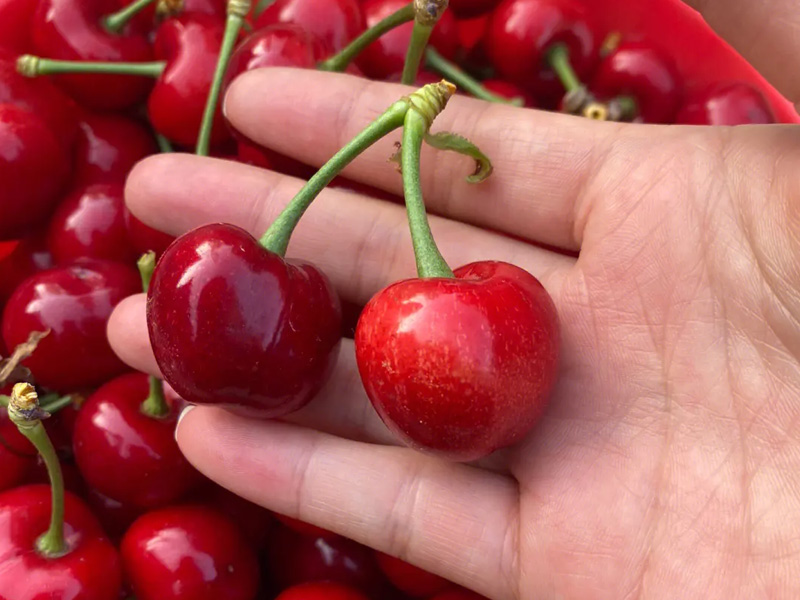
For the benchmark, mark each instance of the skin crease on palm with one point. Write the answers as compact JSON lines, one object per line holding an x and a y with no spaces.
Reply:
{"x":668,"y":465}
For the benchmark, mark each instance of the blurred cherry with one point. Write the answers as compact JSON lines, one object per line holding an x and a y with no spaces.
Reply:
{"x":409,"y":579}
{"x":728,"y":103}
{"x":335,"y":22}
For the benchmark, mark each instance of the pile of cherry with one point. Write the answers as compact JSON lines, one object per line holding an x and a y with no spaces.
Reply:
{"x":138,"y":518}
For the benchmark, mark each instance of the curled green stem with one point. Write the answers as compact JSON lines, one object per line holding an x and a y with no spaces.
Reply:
{"x":116,"y":21}
{"x":34,"y":66}
{"x":558,"y":58}
{"x":464,"y":80}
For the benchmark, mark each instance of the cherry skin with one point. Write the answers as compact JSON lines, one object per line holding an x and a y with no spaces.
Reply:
{"x":188,"y":553}
{"x":304,"y":528}
{"x":460,"y":367}
{"x":73,"y":30}
{"x":520,"y":33}
{"x":114,"y":438}
{"x":15,"y":25}
{"x":465,"y":9}
{"x":149,"y":16}
{"x":508,"y":90}
{"x":89,"y":571}
{"x":385,"y":57}
{"x":73,"y":302}
{"x":321,"y":591}
{"x":335,"y":22}
{"x":409,"y":579}
{"x":255,"y":522}
{"x":144,"y":238}
{"x":733,"y":103}
{"x":33,"y":170}
{"x":108,"y":146}
{"x":235,"y":325}
{"x":115,"y":516}
{"x":30,"y":255}
{"x":642,"y":71}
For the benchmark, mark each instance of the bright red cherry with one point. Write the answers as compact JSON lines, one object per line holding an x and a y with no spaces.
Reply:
{"x":30,"y":255}
{"x":144,"y":238}
{"x":643,"y":72}
{"x":236,"y":325}
{"x":335,"y":22}
{"x":521,"y":32}
{"x":385,"y":57}
{"x":472,"y":8}
{"x":188,"y":553}
{"x":108,"y":146}
{"x":409,"y":579}
{"x":115,"y":437}
{"x":73,"y":303}
{"x":73,"y":30}
{"x":15,"y":24}
{"x":321,"y":591}
{"x":732,"y":103}
{"x":33,"y":171}
{"x":460,"y":367}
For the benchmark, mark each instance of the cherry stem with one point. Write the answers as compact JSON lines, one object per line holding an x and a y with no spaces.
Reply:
{"x":558,"y":57}
{"x":48,"y":405}
{"x":34,"y":66}
{"x":464,"y":81}
{"x":261,"y":6}
{"x":627,"y":107}
{"x":340,"y":61}
{"x":426,"y":14}
{"x":155,"y":405}
{"x":237,"y":12}
{"x":116,"y":21}
{"x":25,"y":413}
{"x":164,"y":145}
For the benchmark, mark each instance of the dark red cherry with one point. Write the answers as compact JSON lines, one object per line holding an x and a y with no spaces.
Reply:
{"x":335,"y":22}
{"x":115,"y":516}
{"x":385,"y":57}
{"x":304,"y":528}
{"x":250,"y":153}
{"x":28,"y":256}
{"x":236,"y":325}
{"x":730,"y":103}
{"x":73,"y":303}
{"x":255,"y":522}
{"x":188,"y":553}
{"x":321,"y":591}
{"x":472,"y":8}
{"x":33,"y":171}
{"x":508,"y":90}
{"x":15,"y":25}
{"x":458,"y":594}
{"x":144,"y":238}
{"x":409,"y":579}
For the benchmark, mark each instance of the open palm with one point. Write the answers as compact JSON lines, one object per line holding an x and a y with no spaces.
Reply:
{"x":668,"y":465}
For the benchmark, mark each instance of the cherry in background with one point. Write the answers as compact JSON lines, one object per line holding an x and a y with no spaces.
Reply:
{"x":144,"y":238}
{"x":321,"y":591}
{"x":114,"y":516}
{"x":735,"y":103}
{"x":28,"y":256}
{"x":458,"y":594}
{"x":255,"y":522}
{"x":335,"y":22}
{"x":15,"y":24}
{"x":409,"y":579}
{"x":465,"y":9}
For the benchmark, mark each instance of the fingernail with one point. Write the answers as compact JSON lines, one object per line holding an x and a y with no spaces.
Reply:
{"x":187,"y":409}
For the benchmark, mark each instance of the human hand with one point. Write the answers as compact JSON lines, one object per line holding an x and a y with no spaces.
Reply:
{"x":669,"y":461}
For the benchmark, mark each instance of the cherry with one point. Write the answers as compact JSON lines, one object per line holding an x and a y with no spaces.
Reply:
{"x":33,"y":169}
{"x":236,"y":325}
{"x":13,"y":467}
{"x":115,"y":516}
{"x":508,"y":90}
{"x":73,"y":30}
{"x":108,"y":146}
{"x":163,"y":9}
{"x":335,"y":22}
{"x":115,"y":436}
{"x":250,"y":153}
{"x":321,"y":591}
{"x":73,"y":303}
{"x":15,"y":24}
{"x":143,"y":237}
{"x":385,"y":57}
{"x":472,"y":8}
{"x":188,"y":553}
{"x":304,"y":528}
{"x":521,"y":32}
{"x":28,"y":256}
{"x":255,"y":522}
{"x":409,"y":579}
{"x":90,"y":223}
{"x":640,"y":70}
{"x":731,"y":103}
{"x":460,"y":367}
{"x":458,"y":594}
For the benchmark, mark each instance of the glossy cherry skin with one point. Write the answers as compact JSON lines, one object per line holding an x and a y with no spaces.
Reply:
{"x":321,"y":591}
{"x":520,"y":33}
{"x":108,"y":146}
{"x":460,"y":367}
{"x":114,"y":438}
{"x":70,"y":30}
{"x":144,"y":238}
{"x":15,"y":25}
{"x":409,"y":579}
{"x":74,"y":303}
{"x":91,"y":569}
{"x":465,"y":9}
{"x":732,"y":103}
{"x":385,"y":57}
{"x":188,"y":553}
{"x":235,"y":325}
{"x":30,"y":255}
{"x":33,"y":170}
{"x":190,"y":45}
{"x":640,"y":70}
{"x":335,"y":22}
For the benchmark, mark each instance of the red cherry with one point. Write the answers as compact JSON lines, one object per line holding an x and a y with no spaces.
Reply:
{"x":236,"y":325}
{"x":89,"y":571}
{"x":732,"y":103}
{"x":108,"y":146}
{"x":521,"y":32}
{"x":304,"y":528}
{"x":460,"y":367}
{"x":321,"y":591}
{"x":148,"y":17}
{"x":115,"y":516}
{"x":74,"y":303}
{"x":28,"y":256}
{"x":385,"y":57}
{"x":250,"y":153}
{"x":73,"y":30}
{"x":188,"y":553}
{"x":458,"y":594}
{"x":254,"y":521}
{"x":409,"y":579}
{"x":508,"y":90}
{"x":33,"y":170}
{"x":15,"y":24}
{"x":642,"y":71}
{"x":114,"y":438}
{"x":335,"y":22}
{"x":144,"y":238}
{"x":472,"y":8}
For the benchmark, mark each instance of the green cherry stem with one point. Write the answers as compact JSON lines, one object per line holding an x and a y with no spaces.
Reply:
{"x":463,"y":80}
{"x":155,"y":405}
{"x":237,"y":12}
{"x":261,"y":6}
{"x":34,"y":66}
{"x":558,"y":57}
{"x":426,"y":14}
{"x":25,"y":413}
{"x":339,"y":62}
{"x":164,"y":145}
{"x":116,"y":21}
{"x":51,"y":406}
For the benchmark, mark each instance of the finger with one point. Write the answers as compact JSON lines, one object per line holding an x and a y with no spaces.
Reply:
{"x":454,"y":520}
{"x":128,"y":337}
{"x":542,"y":160}
{"x":361,"y":244}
